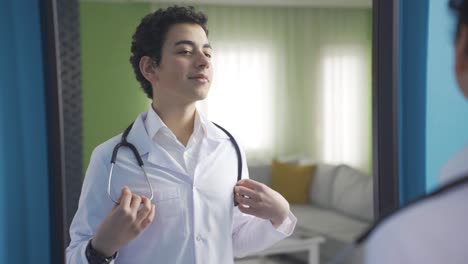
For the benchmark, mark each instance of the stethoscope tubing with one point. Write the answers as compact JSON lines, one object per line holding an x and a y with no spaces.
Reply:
{"x":124,"y":143}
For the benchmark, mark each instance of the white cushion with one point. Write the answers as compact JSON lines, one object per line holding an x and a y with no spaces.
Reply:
{"x":327,"y":222}
{"x":353,"y":193}
{"x":320,"y":191}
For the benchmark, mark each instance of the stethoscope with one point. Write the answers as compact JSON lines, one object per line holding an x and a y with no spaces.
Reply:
{"x":124,"y":143}
{"x":348,"y":250}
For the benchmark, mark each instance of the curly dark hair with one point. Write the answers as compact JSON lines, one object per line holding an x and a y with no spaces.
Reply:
{"x":151,"y":33}
{"x":460,"y":9}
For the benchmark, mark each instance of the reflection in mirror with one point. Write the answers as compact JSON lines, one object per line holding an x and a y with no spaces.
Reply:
{"x":292,"y":84}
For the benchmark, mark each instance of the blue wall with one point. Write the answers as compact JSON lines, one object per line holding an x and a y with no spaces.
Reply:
{"x":432,"y":112}
{"x":412,"y":97}
{"x":24,"y":208}
{"x":447,"y":110}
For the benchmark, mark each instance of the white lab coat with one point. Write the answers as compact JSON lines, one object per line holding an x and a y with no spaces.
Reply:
{"x":195,"y":220}
{"x":431,"y":232}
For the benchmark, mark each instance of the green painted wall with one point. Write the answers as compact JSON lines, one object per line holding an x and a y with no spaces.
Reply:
{"x":112,"y":97}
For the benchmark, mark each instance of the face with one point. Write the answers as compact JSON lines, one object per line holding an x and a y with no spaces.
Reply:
{"x":461,"y":60}
{"x":185,"y":72}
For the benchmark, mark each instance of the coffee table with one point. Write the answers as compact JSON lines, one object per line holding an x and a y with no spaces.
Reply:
{"x":294,"y":244}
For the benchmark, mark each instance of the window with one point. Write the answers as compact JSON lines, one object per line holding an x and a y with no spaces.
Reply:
{"x":241,"y":97}
{"x":346,"y":108}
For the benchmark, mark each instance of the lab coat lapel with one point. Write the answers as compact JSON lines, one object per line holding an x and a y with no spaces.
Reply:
{"x":213,"y":140}
{"x":207,"y":151}
{"x":157,"y":156}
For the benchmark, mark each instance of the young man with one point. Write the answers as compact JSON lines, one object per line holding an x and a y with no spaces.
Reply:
{"x":433,"y":231}
{"x":190,"y":163}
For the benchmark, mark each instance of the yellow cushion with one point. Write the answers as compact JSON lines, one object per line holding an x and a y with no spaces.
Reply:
{"x":292,"y":180}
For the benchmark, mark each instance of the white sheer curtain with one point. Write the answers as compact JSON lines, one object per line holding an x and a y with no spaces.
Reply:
{"x":293,"y":81}
{"x":345,"y":116}
{"x":241,"y":97}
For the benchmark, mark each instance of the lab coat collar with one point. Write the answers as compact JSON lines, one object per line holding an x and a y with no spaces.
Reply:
{"x":139,"y":137}
{"x":154,"y":124}
{"x":212,"y":131}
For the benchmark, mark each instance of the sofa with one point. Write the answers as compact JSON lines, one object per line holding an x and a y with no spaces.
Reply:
{"x":339,"y":206}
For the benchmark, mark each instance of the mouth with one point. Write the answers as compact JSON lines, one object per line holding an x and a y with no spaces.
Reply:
{"x":200,"y":78}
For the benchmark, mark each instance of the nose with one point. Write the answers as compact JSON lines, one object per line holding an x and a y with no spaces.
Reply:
{"x":202,"y":61}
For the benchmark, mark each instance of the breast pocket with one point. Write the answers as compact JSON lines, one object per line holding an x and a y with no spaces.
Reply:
{"x":168,"y":202}
{"x":170,"y":216}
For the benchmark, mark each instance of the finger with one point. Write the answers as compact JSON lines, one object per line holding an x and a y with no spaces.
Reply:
{"x":246,"y":210}
{"x":244,"y":191}
{"x":135,"y":204}
{"x":245,"y":200}
{"x":251,"y":184}
{"x":145,"y":210}
{"x":125,"y":197}
{"x":149,"y":219}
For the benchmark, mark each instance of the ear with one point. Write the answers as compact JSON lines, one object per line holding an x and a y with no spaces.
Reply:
{"x":461,"y":52}
{"x":148,"y":68}
{"x":461,"y":60}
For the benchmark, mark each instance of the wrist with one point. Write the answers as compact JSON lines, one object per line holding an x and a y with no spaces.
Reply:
{"x":277,"y":221}
{"x":95,"y":257}
{"x":102,"y":250}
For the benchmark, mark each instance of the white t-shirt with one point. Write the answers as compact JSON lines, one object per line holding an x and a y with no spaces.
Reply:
{"x":434,"y":231}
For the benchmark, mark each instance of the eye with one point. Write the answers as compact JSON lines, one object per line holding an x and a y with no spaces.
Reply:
{"x":185,"y":52}
{"x":208,"y":55}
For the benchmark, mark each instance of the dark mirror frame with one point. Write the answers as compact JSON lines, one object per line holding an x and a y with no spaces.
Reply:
{"x":385,"y":106}
{"x":60,"y":31}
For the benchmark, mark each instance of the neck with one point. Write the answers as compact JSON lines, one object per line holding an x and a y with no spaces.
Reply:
{"x":179,"y":119}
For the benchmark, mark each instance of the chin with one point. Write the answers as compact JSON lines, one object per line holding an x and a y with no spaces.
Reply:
{"x":465,"y":93}
{"x":196,"y":93}
{"x":202,"y":96}
{"x":463,"y":86}
{"x":202,"y":93}
{"x":196,"y":97}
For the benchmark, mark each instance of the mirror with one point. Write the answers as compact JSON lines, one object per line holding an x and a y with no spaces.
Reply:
{"x":292,"y":81}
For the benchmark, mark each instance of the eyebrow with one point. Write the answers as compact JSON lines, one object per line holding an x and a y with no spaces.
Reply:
{"x":191,"y":43}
